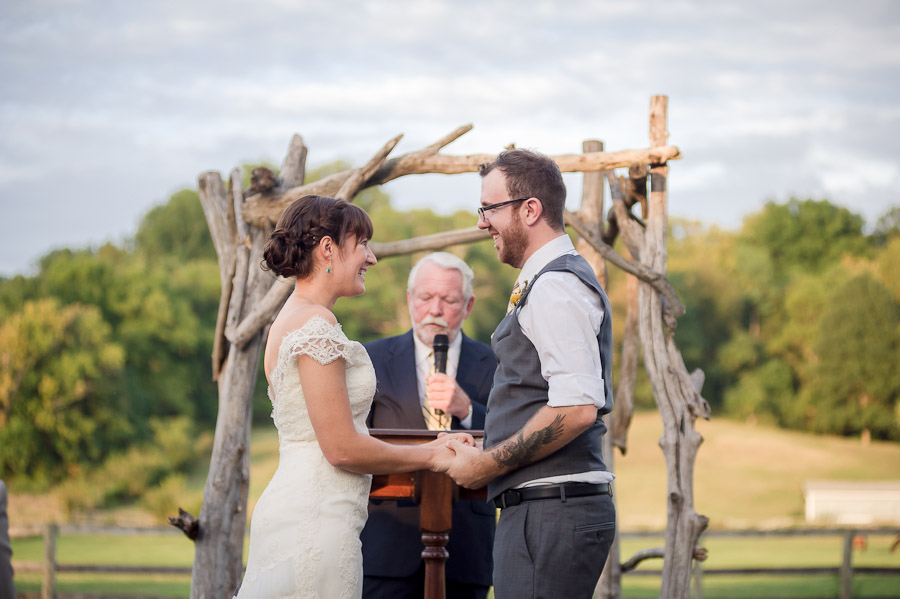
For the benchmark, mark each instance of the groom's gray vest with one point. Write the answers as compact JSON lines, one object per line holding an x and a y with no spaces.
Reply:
{"x":519,"y":390}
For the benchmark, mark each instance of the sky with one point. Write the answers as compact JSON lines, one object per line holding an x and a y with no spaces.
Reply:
{"x":109,"y":107}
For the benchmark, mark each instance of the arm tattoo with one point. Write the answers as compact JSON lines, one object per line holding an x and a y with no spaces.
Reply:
{"x":518,"y":451}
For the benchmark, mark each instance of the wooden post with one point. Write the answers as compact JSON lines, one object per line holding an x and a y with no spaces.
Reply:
{"x":591,"y":212}
{"x":220,"y":542}
{"x":677,"y":395}
{"x":436,"y":497}
{"x":847,"y":566}
{"x":48,"y":582}
{"x":698,"y":580}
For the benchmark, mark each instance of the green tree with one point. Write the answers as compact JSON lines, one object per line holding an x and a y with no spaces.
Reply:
{"x":886,"y":264}
{"x":804,"y":234}
{"x":60,"y":405}
{"x":161,"y":315}
{"x":176,"y":229}
{"x":857,"y":383}
{"x":887,"y":227}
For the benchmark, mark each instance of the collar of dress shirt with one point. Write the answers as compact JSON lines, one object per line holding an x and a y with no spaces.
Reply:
{"x":453,"y":352}
{"x":543,"y":256}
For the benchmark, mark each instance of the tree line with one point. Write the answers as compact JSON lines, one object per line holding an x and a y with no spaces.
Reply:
{"x":105,"y":377}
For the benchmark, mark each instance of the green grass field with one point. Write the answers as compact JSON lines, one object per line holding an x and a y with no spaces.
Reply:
{"x":746,"y":477}
{"x":727,"y":552}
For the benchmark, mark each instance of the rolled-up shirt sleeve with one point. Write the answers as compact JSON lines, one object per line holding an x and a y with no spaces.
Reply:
{"x":562,"y":317}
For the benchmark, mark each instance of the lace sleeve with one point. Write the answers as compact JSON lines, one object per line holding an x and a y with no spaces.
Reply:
{"x":320,"y":340}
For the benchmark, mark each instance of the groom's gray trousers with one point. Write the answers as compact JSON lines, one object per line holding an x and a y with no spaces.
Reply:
{"x":548,"y":549}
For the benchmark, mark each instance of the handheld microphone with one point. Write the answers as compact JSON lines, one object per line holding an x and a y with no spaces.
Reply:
{"x":440,"y":347}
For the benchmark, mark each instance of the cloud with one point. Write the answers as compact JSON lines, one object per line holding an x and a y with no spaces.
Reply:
{"x":119,"y":104}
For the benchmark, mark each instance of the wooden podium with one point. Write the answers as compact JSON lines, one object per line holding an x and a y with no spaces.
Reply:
{"x":435,"y":494}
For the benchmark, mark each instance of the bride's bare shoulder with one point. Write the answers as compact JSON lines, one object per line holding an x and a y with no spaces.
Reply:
{"x":292,"y":319}
{"x":296,"y":318}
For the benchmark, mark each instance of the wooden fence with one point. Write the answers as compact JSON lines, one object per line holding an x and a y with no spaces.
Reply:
{"x":49,"y":567}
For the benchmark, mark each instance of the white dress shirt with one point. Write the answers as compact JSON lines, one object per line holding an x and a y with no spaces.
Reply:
{"x":562,"y":318}
{"x":424,"y":364}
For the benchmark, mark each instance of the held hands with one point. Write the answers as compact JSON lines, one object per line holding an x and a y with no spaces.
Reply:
{"x":446,"y":395}
{"x":470,"y":467}
{"x":443,"y":455}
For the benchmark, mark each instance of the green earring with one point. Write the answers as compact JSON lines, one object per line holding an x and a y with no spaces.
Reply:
{"x":328,"y":270}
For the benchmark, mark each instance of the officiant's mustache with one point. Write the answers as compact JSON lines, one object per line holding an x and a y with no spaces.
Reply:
{"x":435,"y":320}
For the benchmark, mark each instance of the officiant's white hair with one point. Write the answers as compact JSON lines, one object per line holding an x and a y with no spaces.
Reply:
{"x":450,"y":262}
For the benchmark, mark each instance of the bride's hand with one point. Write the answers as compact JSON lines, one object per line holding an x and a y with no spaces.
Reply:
{"x":464,"y":438}
{"x":442,"y":455}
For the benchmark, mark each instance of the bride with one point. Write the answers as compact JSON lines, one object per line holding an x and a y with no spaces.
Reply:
{"x":304,"y":534}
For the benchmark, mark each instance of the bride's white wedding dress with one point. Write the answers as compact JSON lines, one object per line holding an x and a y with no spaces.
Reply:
{"x":304,"y":534}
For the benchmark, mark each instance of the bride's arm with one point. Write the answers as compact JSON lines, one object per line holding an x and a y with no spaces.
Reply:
{"x":325,"y":389}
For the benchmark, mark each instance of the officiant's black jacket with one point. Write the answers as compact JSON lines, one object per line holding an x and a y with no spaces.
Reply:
{"x":391,"y":541}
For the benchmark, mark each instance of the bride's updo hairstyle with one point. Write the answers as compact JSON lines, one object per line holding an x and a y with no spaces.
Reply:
{"x":289,"y":250}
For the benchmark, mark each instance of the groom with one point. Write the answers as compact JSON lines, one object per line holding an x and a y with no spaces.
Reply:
{"x":542,"y":459}
{"x":440,"y":298}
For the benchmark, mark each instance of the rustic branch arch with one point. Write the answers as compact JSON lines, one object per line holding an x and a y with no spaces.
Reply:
{"x":240,"y":220}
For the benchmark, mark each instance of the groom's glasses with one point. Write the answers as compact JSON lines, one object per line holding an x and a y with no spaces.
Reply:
{"x":484,"y":209}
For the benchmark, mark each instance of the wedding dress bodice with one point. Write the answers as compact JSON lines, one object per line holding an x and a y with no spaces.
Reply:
{"x":324,"y":342}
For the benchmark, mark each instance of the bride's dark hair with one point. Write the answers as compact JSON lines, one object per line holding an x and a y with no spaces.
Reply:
{"x":289,"y":250}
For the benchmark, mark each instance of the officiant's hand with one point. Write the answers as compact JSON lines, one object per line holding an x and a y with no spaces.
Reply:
{"x":445,"y":394}
{"x":471,"y":467}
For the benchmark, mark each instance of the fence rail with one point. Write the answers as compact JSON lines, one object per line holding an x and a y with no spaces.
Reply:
{"x":49,"y":567}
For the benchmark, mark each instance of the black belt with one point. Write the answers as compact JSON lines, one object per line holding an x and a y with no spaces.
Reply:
{"x":513,"y":497}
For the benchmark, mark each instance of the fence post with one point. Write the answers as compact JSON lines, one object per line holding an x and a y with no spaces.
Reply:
{"x":847,"y":566}
{"x":48,"y":584}
{"x":698,"y":580}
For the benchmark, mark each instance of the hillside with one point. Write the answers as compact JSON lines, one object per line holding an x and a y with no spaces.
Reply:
{"x":746,"y":475}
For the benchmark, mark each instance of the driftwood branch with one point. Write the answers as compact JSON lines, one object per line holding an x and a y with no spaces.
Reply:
{"x":241,"y":269}
{"x":641,"y":555}
{"x":700,"y":554}
{"x":261,"y":313}
{"x":444,"y":141}
{"x":186,"y":523}
{"x":356,"y":180}
{"x":223,"y":230}
{"x":656,"y":280}
{"x":293,"y":167}
{"x":623,"y":408}
{"x":622,"y":220}
{"x":673,"y":388}
{"x":260,"y":208}
{"x":591,"y":214}
{"x":637,"y":188}
{"x":428,"y":242}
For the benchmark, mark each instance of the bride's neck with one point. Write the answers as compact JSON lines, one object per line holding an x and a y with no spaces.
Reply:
{"x":314,"y":291}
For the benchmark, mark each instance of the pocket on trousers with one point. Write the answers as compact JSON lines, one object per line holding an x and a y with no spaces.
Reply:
{"x":593,"y":527}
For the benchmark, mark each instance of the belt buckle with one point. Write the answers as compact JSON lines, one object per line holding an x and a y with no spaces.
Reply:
{"x":515,"y":498}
